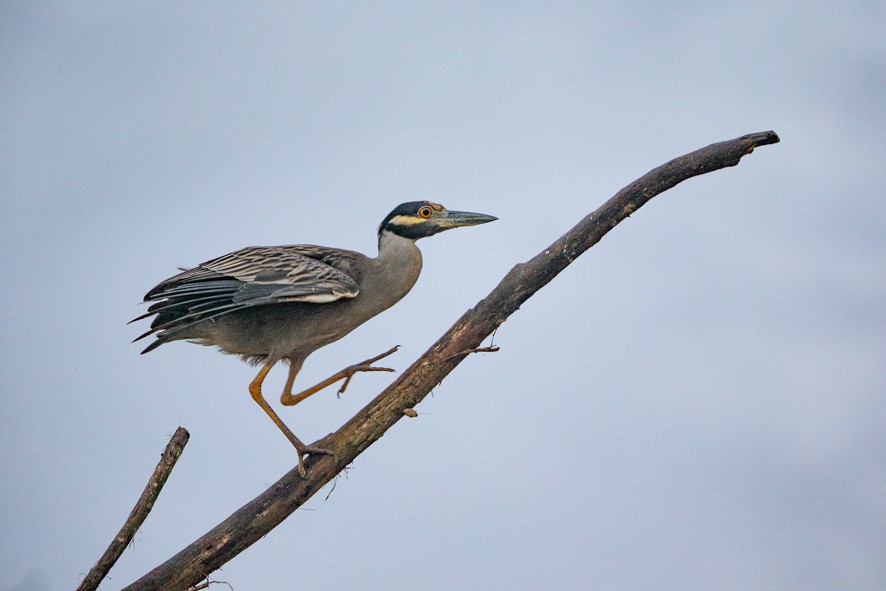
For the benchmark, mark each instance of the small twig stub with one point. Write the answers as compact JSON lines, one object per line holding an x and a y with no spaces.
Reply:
{"x":492,"y":349}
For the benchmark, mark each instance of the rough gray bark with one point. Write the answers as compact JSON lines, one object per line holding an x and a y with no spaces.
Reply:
{"x":255,"y":519}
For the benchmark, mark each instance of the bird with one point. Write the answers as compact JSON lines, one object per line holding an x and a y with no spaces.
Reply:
{"x":268,"y":304}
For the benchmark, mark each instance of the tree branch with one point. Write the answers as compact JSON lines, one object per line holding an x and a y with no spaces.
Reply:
{"x":137,"y":516}
{"x":256,"y":518}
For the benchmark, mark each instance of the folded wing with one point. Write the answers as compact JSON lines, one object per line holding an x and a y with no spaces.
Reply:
{"x":254,"y":276}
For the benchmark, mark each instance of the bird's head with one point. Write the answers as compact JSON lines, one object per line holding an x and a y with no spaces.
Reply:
{"x":418,"y":219}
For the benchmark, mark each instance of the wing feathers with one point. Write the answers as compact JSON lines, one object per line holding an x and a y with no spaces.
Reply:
{"x":251,"y":277}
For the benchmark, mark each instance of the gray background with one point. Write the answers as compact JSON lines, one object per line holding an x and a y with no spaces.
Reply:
{"x":698,"y":402}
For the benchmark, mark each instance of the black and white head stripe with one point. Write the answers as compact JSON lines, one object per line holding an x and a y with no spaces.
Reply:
{"x":410,"y":220}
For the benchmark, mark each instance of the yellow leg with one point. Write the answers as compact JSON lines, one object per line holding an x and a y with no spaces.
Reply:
{"x":300,"y":448}
{"x":294,"y":367}
{"x":290,"y":399}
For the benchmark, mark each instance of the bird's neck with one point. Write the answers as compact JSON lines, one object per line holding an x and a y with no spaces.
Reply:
{"x":398,"y":263}
{"x":392,"y":246}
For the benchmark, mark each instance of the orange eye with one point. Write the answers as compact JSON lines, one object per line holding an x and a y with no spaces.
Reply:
{"x":424,"y":212}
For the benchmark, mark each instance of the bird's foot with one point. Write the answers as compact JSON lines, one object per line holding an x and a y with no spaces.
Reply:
{"x":348,"y":372}
{"x":303,"y":450}
{"x":289,"y":399}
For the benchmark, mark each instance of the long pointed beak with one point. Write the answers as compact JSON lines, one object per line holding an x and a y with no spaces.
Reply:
{"x":457,"y":219}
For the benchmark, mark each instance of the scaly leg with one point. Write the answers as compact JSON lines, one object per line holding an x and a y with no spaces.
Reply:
{"x":300,"y":448}
{"x":290,"y":399}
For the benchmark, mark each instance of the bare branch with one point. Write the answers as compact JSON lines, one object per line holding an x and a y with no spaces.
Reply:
{"x":138,"y":514}
{"x":259,"y":516}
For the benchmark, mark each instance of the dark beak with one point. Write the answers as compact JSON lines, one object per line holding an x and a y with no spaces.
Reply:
{"x":457,"y":219}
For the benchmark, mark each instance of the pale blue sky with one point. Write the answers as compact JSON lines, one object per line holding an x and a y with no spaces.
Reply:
{"x":698,"y":402}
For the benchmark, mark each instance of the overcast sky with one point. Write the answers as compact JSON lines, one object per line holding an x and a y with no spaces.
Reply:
{"x":697,"y":403}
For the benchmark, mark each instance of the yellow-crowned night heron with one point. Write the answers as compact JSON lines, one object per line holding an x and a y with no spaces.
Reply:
{"x":274,"y":303}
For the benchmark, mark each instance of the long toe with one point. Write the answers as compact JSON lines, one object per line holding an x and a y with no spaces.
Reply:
{"x":358,"y":368}
{"x":350,"y":371}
